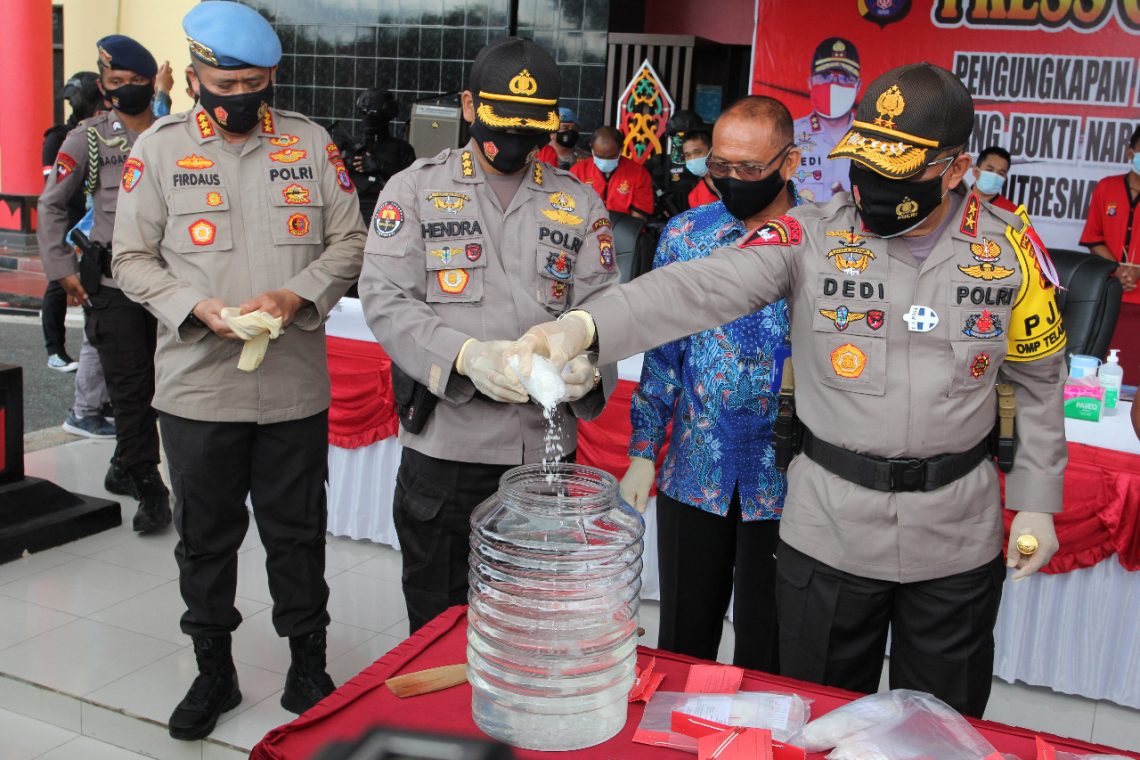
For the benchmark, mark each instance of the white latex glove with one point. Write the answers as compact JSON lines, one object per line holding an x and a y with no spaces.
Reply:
{"x":636,"y":482}
{"x":578,"y":375}
{"x":256,"y":328}
{"x":483,"y":362}
{"x":559,"y":341}
{"x":1040,"y":526}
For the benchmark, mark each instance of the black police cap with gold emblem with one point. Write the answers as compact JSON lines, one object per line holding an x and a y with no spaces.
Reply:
{"x":905,"y":118}
{"x":120,"y":52}
{"x":515,"y":85}
{"x":835,"y":53}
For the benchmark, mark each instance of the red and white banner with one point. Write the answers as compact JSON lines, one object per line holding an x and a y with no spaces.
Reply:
{"x":1054,"y":81}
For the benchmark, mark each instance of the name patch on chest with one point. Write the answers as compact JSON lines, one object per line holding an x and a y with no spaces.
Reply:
{"x":461,"y":228}
{"x":189,"y":179}
{"x":854,"y":288}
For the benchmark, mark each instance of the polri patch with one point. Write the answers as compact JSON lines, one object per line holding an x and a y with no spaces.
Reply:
{"x":132,"y":173}
{"x":601,"y":222}
{"x":606,"y":251}
{"x":388,"y":219}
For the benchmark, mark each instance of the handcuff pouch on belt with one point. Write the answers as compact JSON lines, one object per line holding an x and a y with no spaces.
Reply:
{"x":414,"y":402}
{"x":787,"y":430}
{"x":1003,"y":439}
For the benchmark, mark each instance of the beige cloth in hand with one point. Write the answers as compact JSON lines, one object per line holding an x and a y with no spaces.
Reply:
{"x":256,"y":329}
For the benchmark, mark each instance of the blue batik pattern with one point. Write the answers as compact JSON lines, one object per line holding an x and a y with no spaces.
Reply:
{"x":715,"y":387}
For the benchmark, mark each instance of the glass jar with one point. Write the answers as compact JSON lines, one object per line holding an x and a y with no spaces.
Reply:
{"x":552,"y":622}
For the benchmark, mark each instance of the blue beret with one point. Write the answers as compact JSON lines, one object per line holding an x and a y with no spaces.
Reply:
{"x":565,"y":114}
{"x":118,"y":51}
{"x":229,"y":35}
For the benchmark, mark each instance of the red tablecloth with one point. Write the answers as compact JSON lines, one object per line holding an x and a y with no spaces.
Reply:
{"x":364,"y":702}
{"x":1102,"y":490}
{"x":361,"y":411}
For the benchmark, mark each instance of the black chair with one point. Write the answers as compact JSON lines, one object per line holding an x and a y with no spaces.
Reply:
{"x":635,"y":242}
{"x":1091,"y":302}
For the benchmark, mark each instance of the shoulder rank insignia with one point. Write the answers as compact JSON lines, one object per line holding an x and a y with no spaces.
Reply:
{"x":267,"y":126}
{"x":562,"y":211}
{"x":537,"y":176}
{"x":842,"y":316}
{"x":783,"y":230}
{"x":284,"y":141}
{"x":194,"y":161}
{"x":467,"y":163}
{"x":332,"y":151}
{"x":969,"y":225}
{"x":205,"y":128}
{"x":448,"y":202}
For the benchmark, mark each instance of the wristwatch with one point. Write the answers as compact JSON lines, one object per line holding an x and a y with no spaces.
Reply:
{"x":193,"y":321}
{"x":597,"y":377}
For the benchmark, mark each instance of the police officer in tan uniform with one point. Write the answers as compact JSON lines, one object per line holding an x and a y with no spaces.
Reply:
{"x":235,"y":203}
{"x":467,"y":250}
{"x":908,"y":304}
{"x":121,"y":331}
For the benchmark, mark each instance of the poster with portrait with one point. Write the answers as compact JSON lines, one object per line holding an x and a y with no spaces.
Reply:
{"x":1054,"y":83}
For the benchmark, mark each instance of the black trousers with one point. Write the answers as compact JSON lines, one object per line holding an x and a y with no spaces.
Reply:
{"x":432,"y":512}
{"x":833,"y":629}
{"x":702,"y":558}
{"x":124,"y":334}
{"x":283,"y":468}
{"x":53,"y":312}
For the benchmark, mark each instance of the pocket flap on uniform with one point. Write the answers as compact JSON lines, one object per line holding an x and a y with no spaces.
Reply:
{"x":424,"y":500}
{"x":454,"y":255}
{"x":794,"y":567}
{"x":198,"y":200}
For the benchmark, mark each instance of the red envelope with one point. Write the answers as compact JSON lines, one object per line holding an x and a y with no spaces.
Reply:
{"x":714,"y":679}
{"x":645,"y":682}
{"x":736,"y":744}
{"x":702,"y":728}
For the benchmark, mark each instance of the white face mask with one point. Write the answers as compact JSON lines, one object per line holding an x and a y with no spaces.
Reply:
{"x":970,"y":177}
{"x":832,"y":101}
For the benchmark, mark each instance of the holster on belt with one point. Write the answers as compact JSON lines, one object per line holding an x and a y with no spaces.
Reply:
{"x":94,"y":262}
{"x":1003,"y":439}
{"x":787,"y":430}
{"x":414,"y":402}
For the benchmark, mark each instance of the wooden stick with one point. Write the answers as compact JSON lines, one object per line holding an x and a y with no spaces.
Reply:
{"x":427,"y":681}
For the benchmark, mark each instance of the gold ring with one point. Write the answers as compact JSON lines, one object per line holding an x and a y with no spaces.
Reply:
{"x":1026,"y":545}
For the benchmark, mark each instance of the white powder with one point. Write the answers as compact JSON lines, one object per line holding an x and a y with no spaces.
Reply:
{"x":544,"y":385}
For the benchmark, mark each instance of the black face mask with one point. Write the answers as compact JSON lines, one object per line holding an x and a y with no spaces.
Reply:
{"x":567,"y":138}
{"x":890,"y":207}
{"x":375,"y":123}
{"x":505,"y":152}
{"x":745,"y":199}
{"x":237,"y":114}
{"x":131,"y":99}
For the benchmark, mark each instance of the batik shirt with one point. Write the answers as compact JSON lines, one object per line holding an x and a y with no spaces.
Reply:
{"x":715,"y":387}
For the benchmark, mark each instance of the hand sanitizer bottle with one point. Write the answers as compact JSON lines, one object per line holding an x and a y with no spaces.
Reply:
{"x":1111,"y":377}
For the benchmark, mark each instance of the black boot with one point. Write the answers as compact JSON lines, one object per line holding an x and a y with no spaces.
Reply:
{"x":154,"y":500}
{"x":307,"y":682}
{"x":214,"y":691}
{"x":118,"y":481}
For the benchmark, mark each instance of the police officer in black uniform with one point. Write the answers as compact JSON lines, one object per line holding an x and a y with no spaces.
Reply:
{"x":672,"y":182}
{"x":373,"y":160}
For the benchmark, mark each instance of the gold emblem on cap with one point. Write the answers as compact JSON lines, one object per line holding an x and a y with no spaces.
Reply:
{"x":104,"y":56}
{"x":487,"y":115}
{"x":907,"y":209}
{"x":523,"y":84}
{"x":890,"y":104}
{"x":202,"y":51}
{"x":1026,"y":545}
{"x":838,"y":47}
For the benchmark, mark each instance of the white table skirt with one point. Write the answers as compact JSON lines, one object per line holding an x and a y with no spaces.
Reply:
{"x":1077,"y":633}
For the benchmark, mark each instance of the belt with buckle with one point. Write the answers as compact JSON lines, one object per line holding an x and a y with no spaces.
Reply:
{"x":893,"y":475}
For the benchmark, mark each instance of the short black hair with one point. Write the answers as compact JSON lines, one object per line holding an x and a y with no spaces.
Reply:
{"x":764,"y":107}
{"x":995,"y":150}
{"x":698,"y":134}
{"x":1135,"y":137}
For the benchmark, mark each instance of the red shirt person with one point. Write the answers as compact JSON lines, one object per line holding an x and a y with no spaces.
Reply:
{"x":562,"y":150}
{"x":990,"y":174}
{"x":1112,"y":230}
{"x":624,"y":184}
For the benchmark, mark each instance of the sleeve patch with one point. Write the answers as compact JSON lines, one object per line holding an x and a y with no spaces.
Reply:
{"x":132,"y":174}
{"x":64,"y":166}
{"x":783,"y":230}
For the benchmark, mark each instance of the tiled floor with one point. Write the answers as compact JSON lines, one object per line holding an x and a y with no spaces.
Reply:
{"x":92,"y":660}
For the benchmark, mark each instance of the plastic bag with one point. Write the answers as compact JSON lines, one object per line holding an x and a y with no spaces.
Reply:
{"x":895,"y":725}
{"x":782,"y":714}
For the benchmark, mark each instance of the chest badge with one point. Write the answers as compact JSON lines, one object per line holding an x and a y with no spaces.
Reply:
{"x":284,"y":141}
{"x":449,"y":203}
{"x":562,"y":209}
{"x":986,"y":253}
{"x":202,"y":232}
{"x":288,"y":155}
{"x":851,"y":258}
{"x":624,"y":187}
{"x":920,"y":319}
{"x":445,"y":254}
{"x":978,"y":365}
{"x":194,"y":161}
{"x":559,"y":265}
{"x":214,"y":199}
{"x":848,"y":361}
{"x":842,"y":316}
{"x":298,"y":225}
{"x":473,"y":251}
{"x":388,"y":220}
{"x":453,"y":281}
{"x":296,"y":195}
{"x":983,"y":325}
{"x":875,"y":318}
